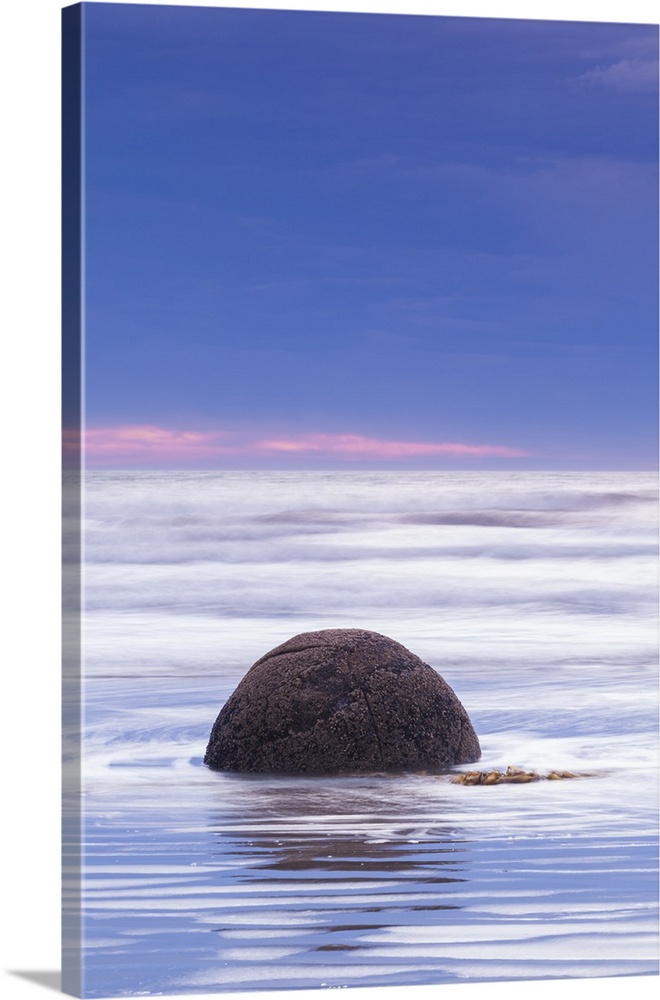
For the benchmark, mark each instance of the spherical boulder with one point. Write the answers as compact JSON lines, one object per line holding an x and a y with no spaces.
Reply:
{"x":337,"y":701}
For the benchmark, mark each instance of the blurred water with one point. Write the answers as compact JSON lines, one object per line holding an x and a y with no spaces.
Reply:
{"x":534,"y":595}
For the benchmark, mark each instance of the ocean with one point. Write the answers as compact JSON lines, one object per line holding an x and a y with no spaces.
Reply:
{"x":533,"y":594}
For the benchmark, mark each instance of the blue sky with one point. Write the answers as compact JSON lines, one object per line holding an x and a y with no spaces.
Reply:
{"x":344,"y":240}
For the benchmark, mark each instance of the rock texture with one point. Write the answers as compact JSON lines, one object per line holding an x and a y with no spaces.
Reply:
{"x":341,"y":700}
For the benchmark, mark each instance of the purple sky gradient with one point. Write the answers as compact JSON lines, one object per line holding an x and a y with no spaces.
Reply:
{"x":406,"y":230}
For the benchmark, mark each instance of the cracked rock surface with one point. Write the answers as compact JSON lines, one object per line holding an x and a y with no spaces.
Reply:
{"x":341,"y":700}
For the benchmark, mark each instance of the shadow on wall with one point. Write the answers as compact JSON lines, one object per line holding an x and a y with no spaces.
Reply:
{"x":51,"y":980}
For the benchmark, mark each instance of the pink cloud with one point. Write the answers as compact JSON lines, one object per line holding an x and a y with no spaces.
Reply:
{"x":135,"y":443}
{"x":355,"y":445}
{"x":140,"y":443}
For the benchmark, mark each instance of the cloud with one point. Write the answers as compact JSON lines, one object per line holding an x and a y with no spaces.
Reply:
{"x":134,"y":442}
{"x":357,"y":446}
{"x":150,"y":445}
{"x":630,"y":75}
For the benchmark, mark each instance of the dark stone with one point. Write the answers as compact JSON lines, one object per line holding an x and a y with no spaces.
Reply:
{"x":341,"y":700}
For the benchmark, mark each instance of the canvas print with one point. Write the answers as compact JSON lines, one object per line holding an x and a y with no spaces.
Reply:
{"x":360,"y":451}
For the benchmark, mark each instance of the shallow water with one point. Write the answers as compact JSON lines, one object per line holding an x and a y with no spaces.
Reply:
{"x":534,"y":595}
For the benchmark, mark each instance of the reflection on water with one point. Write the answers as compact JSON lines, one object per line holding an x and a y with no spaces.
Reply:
{"x":316,"y":832}
{"x":329,"y":855}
